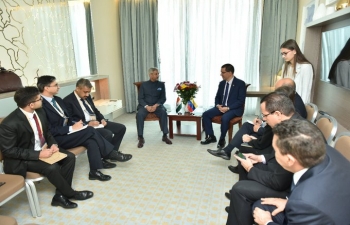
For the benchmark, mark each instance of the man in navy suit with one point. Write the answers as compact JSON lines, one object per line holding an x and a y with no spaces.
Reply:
{"x":229,"y":102}
{"x":25,"y":139}
{"x":81,"y":107}
{"x":321,"y":180}
{"x":69,"y":133}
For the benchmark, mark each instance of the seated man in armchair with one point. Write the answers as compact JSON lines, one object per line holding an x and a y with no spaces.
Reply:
{"x":151,"y":99}
{"x":229,"y":102}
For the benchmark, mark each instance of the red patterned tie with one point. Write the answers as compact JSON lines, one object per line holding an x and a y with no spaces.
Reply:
{"x":41,"y":136}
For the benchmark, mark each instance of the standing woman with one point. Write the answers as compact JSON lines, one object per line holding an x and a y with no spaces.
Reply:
{"x":298,"y":68}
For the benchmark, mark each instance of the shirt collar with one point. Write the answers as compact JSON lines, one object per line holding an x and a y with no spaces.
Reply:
{"x":298,"y":175}
{"x":230,"y":81}
{"x":28,"y":114}
{"x":49,"y":99}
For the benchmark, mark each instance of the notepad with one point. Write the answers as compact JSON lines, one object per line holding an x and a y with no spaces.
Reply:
{"x":55,"y":157}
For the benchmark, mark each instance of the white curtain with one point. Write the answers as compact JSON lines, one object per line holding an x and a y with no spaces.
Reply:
{"x":49,"y":39}
{"x":79,"y":35}
{"x":197,"y":37}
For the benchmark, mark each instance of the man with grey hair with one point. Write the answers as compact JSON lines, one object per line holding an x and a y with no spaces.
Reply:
{"x":151,"y":99}
{"x":81,"y":107}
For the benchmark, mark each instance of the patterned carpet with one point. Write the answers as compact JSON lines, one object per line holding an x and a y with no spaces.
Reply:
{"x":163,"y":184}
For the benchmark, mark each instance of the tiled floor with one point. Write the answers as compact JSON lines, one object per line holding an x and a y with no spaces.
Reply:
{"x":163,"y":184}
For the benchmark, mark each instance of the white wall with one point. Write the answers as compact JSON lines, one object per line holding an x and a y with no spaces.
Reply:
{"x":106,"y":26}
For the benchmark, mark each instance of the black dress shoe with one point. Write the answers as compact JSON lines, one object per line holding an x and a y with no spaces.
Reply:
{"x":97,"y":175}
{"x":221,"y":143}
{"x":208,"y":140}
{"x":121,"y":157}
{"x":141,"y":142}
{"x":220,"y":153}
{"x":60,"y":200}
{"x":108,"y":165}
{"x":83,"y":195}
{"x":233,"y":169}
{"x":166,"y":140}
{"x":228,"y":195}
{"x":227,"y":209}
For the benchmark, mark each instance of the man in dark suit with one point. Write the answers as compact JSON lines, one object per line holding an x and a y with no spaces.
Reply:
{"x":81,"y":107}
{"x":229,"y":102}
{"x":260,"y":175}
{"x":321,"y":180}
{"x":25,"y":138}
{"x":151,"y":99}
{"x":256,"y":136}
{"x":69,"y":133}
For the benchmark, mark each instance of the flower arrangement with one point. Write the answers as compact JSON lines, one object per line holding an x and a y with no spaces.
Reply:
{"x":186,"y":90}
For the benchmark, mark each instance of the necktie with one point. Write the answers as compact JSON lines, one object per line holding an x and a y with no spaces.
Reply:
{"x":225,"y":95}
{"x":87,"y":107}
{"x":41,"y":136}
{"x":55,"y":105}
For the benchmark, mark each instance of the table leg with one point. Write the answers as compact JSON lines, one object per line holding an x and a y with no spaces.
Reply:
{"x":171,"y":130}
{"x":199,"y":132}
{"x":178,"y":123}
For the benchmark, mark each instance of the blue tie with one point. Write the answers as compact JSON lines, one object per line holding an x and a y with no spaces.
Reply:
{"x":55,"y":105}
{"x":225,"y":95}
{"x":87,"y":107}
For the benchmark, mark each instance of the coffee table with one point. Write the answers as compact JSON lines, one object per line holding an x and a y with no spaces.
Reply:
{"x":185,"y":130}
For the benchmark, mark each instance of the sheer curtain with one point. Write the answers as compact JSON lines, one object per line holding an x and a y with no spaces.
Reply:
{"x":79,"y":36}
{"x":139,"y":35}
{"x":197,"y":37}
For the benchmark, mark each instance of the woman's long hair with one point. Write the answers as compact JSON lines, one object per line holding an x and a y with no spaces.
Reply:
{"x":343,"y":55}
{"x":298,"y":58}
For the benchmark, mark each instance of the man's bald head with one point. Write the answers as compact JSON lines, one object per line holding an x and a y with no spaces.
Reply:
{"x":285,"y":82}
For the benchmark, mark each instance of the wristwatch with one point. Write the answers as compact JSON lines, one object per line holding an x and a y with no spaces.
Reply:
{"x":228,"y":108}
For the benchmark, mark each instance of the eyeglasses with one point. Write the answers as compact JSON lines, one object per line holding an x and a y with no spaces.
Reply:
{"x":56,"y":85}
{"x":285,"y":53}
{"x":265,"y":115}
{"x":223,"y":73}
{"x":40,"y":99}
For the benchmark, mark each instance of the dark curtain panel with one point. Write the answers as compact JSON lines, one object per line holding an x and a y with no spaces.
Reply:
{"x":139,"y":36}
{"x":90,"y":39}
{"x":278,"y":25}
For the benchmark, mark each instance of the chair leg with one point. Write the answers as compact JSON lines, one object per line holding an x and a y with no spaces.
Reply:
{"x":30,"y":200}
{"x":230,"y":133}
{"x":35,"y":197}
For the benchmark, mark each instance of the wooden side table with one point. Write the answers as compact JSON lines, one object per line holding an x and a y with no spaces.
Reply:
{"x":185,"y":130}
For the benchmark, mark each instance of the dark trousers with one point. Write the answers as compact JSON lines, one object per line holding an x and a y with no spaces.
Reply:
{"x":160,"y":113}
{"x":114,"y":133}
{"x":60,"y":174}
{"x":225,"y":121}
{"x":236,"y":141}
{"x":243,"y":194}
{"x":97,"y":147}
{"x":279,"y":218}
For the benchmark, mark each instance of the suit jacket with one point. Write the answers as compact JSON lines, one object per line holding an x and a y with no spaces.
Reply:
{"x":321,"y":196}
{"x":55,"y":119}
{"x":17,"y":141}
{"x":236,"y":98}
{"x":76,"y":112}
{"x":300,"y":106}
{"x":151,"y":93}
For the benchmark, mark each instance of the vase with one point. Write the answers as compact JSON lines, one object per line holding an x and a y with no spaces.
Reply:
{"x":186,"y":111}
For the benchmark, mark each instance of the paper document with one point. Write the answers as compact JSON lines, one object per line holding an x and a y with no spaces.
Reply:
{"x":99,"y":126}
{"x":78,"y":130}
{"x":251,"y":122}
{"x":55,"y":157}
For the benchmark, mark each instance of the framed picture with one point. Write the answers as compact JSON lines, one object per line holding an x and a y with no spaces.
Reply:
{"x":308,"y":13}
